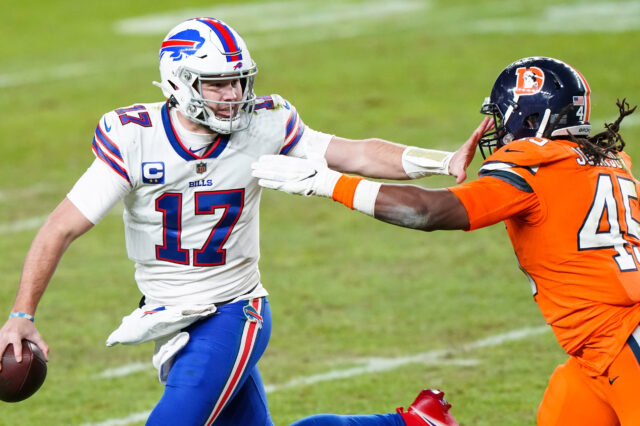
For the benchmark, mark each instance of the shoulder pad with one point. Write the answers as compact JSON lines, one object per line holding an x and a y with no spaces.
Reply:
{"x":106,"y":144}
{"x":272,"y":102}
{"x":139,"y":115}
{"x":627,"y":160}
{"x":532,"y":152}
{"x":120,"y":125}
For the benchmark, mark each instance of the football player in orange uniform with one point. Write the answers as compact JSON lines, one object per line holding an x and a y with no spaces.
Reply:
{"x":570,"y":206}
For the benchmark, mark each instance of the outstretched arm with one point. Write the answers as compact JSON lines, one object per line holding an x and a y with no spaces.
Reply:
{"x":64,"y":225}
{"x":409,"y":206}
{"x":378,"y":158}
{"x":414,"y":207}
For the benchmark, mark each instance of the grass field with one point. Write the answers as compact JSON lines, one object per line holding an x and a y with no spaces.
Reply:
{"x":365,"y":314}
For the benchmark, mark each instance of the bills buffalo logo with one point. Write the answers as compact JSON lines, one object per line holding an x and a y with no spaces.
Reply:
{"x":252,"y":315}
{"x":529,"y":82}
{"x":182,"y":44}
{"x":238,"y":65}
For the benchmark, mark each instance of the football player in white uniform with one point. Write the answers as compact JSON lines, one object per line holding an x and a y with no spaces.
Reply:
{"x":183,"y":171}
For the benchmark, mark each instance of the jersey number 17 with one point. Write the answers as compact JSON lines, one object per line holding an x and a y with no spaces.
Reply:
{"x":212,"y":252}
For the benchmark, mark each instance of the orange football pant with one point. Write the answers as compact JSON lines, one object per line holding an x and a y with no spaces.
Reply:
{"x":575,"y":398}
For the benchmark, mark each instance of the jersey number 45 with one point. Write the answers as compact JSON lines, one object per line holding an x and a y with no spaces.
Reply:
{"x":593,"y":235}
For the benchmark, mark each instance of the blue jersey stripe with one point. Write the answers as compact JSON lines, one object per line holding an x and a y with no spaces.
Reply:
{"x":531,"y":170}
{"x":288,"y":147}
{"x":101,"y":155}
{"x":633,"y":344}
{"x":217,"y":149}
{"x":219,"y":146}
{"x":511,"y":178}
{"x":291,"y":123}
{"x":113,"y":149}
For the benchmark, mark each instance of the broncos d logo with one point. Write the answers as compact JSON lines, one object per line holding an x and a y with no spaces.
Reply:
{"x":529,"y":82}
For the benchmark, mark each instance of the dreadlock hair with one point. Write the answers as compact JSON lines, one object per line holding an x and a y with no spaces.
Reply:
{"x":605,"y":144}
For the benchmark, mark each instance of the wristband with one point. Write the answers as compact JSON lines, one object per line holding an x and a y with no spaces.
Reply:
{"x":21,"y":315}
{"x":356,"y":193}
{"x":345,"y":189}
{"x":364,"y":200}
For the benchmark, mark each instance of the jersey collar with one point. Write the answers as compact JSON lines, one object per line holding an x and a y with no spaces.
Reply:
{"x":214,"y":150}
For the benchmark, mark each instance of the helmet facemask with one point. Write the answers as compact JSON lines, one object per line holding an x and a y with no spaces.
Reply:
{"x":198,"y":108}
{"x":494,"y":138}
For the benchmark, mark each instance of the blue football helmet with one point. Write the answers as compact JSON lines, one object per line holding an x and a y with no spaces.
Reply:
{"x":536,"y":97}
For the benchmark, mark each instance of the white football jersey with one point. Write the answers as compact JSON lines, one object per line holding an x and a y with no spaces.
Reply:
{"x":191,"y":219}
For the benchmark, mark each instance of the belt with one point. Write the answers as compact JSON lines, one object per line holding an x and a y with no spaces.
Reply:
{"x":226,"y":302}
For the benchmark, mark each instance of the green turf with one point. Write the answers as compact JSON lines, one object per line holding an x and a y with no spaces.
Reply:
{"x":343,"y":287}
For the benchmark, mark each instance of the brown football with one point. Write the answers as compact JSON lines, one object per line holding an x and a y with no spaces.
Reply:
{"x":20,"y":380}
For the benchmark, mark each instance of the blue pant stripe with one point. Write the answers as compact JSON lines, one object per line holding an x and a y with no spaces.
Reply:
{"x":635,"y":347}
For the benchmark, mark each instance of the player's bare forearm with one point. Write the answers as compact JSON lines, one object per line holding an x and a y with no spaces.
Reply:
{"x":63,"y":226}
{"x":40,"y":263}
{"x":410,"y":206}
{"x":375,"y":158}
{"x":382,"y":159}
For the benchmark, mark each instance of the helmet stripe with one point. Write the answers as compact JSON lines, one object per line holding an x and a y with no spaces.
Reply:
{"x":226,"y":37}
{"x":587,"y":94}
{"x":171,"y":43}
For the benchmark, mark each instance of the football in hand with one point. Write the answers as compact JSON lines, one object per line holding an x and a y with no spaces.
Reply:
{"x":20,"y":380}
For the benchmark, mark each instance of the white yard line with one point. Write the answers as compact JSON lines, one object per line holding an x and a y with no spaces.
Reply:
{"x":250,"y":18}
{"x":35,"y":222}
{"x":568,"y":18}
{"x":125,"y":370}
{"x":22,"y":225}
{"x":374,"y":365}
{"x":17,"y":193}
{"x":289,"y":23}
{"x":256,"y":19}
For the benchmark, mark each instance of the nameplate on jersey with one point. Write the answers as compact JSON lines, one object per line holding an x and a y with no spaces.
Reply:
{"x":153,"y":172}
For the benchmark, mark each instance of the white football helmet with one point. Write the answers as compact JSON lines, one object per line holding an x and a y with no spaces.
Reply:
{"x":207,"y":49}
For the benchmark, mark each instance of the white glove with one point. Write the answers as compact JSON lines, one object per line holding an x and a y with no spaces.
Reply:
{"x":295,"y":175}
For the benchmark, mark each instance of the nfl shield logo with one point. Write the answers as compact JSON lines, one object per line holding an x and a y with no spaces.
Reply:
{"x":201,"y":167}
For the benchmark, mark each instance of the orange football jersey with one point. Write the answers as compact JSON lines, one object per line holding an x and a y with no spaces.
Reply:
{"x":574,"y":229}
